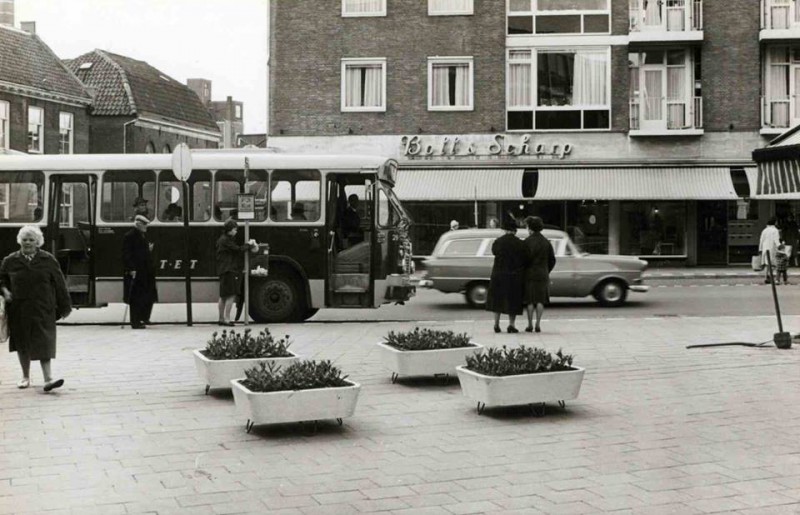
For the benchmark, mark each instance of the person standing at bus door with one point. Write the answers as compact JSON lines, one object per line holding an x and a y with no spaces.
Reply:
{"x":230,"y":261}
{"x":511,"y":257}
{"x":537,"y":274}
{"x":36,"y":292}
{"x":139,"y":282}
{"x":768,"y":243}
{"x":351,"y":222}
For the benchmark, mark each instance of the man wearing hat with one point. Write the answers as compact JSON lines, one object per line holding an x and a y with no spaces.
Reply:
{"x":139,"y":281}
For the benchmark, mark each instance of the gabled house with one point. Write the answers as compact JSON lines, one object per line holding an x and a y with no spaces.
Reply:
{"x":139,"y":109}
{"x":44,"y":108}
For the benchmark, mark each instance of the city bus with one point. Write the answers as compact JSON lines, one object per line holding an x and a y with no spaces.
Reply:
{"x":84,"y":205}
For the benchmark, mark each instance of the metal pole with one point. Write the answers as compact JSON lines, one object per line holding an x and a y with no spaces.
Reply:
{"x":774,"y":292}
{"x":187,"y":269}
{"x":247,"y":253}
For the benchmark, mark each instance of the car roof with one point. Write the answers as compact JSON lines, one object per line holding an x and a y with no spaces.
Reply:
{"x":494,"y":233}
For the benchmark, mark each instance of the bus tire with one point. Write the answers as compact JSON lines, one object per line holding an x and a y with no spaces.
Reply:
{"x":278,"y":298}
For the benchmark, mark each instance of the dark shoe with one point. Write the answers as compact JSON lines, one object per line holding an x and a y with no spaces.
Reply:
{"x":497,"y":328}
{"x":529,"y":329}
{"x":512,"y":329}
{"x":52,"y":385}
{"x":227,"y":324}
{"x":538,"y":329}
{"x":139,"y":326}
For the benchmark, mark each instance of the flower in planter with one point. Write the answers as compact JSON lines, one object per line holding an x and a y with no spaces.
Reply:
{"x":302,"y":375}
{"x":232,"y":345}
{"x":427,"y":339}
{"x":519,"y":360}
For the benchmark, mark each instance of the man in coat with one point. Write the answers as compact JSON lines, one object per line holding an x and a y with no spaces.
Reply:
{"x":140,"y":275}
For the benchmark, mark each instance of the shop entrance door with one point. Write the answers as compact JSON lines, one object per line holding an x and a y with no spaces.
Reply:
{"x":712,"y":233}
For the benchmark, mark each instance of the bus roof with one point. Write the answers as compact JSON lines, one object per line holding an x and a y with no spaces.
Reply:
{"x":201,"y":160}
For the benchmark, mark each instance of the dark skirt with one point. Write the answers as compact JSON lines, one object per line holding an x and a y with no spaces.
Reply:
{"x":230,"y":284}
{"x":505,"y":294}
{"x":536,"y":292}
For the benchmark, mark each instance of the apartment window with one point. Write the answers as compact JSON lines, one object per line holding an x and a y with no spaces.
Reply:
{"x":4,"y":124}
{"x":449,"y":7}
{"x":663,"y":91}
{"x":65,"y":131}
{"x":363,"y":7}
{"x":782,"y":86}
{"x":559,"y":17}
{"x":35,"y":129}
{"x":569,"y":91}
{"x":450,"y":83}
{"x":364,"y":84}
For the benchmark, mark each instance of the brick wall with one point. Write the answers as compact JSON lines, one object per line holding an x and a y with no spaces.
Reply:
{"x":18,"y":126}
{"x":108,"y":137}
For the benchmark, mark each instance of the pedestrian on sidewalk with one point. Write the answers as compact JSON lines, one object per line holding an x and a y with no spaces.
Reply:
{"x":537,"y":274}
{"x":505,"y":288}
{"x":230,"y":262}
{"x":36,"y":295}
{"x":781,"y":264}
{"x":139,"y":281}
{"x":768,"y":244}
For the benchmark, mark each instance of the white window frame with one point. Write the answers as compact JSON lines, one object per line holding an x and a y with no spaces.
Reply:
{"x":793,"y":97}
{"x":361,"y":62}
{"x":40,"y":149}
{"x":381,"y":12}
{"x":5,"y":201}
{"x":5,"y":123}
{"x":471,"y":74}
{"x":534,"y":12}
{"x":67,"y":214}
{"x":432,"y":11}
{"x":70,"y":130}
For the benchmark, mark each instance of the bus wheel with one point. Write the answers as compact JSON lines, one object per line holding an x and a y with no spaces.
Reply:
{"x":277,"y":298}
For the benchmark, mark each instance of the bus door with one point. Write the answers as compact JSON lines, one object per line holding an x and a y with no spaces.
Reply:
{"x":349,"y":281}
{"x":71,"y":232}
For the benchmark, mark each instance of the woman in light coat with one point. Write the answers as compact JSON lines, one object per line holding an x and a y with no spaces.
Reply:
{"x":36,"y":295}
{"x":770,"y":239}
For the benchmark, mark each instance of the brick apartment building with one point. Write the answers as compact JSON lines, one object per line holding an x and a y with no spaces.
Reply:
{"x":629,"y":123}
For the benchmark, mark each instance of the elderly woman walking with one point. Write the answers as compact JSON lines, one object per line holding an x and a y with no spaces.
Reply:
{"x":537,"y":275}
{"x":34,"y":288}
{"x":505,"y":289}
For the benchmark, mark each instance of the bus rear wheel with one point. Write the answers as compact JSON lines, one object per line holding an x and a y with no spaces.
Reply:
{"x":278,"y":298}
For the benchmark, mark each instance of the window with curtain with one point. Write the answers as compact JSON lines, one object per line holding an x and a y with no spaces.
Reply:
{"x":778,"y":86}
{"x":35,"y":129}
{"x":363,"y":84}
{"x":559,"y":17}
{"x":450,"y":84}
{"x":677,"y":90}
{"x":363,"y":7}
{"x":65,"y":133}
{"x":4,"y":124}
{"x":444,"y":7}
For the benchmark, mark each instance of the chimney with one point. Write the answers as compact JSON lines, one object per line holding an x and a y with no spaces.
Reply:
{"x":28,"y":26}
{"x":7,"y":12}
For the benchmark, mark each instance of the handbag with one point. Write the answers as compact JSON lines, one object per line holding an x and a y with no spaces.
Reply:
{"x":756,"y":263}
{"x":3,"y":320}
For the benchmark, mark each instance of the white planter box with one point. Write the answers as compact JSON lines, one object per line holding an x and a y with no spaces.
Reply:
{"x":424,"y":362}
{"x":520,"y":389}
{"x":295,"y":405}
{"x":217,"y":373}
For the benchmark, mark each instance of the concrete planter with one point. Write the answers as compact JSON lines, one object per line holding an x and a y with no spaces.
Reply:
{"x":520,"y":389}
{"x":217,"y":373}
{"x":294,"y":405}
{"x":424,"y":362}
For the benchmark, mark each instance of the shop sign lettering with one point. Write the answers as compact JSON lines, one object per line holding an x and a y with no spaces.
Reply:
{"x":500,"y":145}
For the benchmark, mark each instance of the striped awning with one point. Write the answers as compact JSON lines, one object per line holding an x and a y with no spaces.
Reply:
{"x":459,"y":184}
{"x":635,"y":184}
{"x":778,"y":179}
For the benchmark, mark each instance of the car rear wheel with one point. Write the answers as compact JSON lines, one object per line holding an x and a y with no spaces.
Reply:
{"x":476,"y":294}
{"x":611,"y":293}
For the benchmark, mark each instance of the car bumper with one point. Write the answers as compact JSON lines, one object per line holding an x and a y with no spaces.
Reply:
{"x":425,"y":283}
{"x":640,"y":288}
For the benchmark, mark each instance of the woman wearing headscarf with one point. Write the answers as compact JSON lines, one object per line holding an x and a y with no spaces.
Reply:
{"x":230,"y":262}
{"x":505,"y":289}
{"x":36,"y":294}
{"x":537,"y":274}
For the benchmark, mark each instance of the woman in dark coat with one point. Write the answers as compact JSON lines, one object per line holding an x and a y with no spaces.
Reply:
{"x":537,"y":275}
{"x":230,"y":262}
{"x":36,"y":296}
{"x":505,"y":289}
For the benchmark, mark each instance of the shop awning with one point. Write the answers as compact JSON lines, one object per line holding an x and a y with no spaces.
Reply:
{"x":465,"y":184}
{"x":635,"y":184}
{"x":778,"y":168}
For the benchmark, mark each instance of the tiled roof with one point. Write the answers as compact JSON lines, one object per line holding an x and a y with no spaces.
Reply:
{"x":125,"y":86}
{"x":28,"y":66}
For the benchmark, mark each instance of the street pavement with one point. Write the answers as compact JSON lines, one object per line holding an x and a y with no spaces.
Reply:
{"x":657,"y":428}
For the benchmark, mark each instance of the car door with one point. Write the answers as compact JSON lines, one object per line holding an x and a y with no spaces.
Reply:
{"x":562,"y":282}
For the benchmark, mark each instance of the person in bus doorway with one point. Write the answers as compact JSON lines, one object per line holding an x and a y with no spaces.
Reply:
{"x":230,"y":262}
{"x":537,"y":274}
{"x":768,"y":243}
{"x":351,"y":222}
{"x":139,"y":281}
{"x":511,"y":257}
{"x":36,"y":295}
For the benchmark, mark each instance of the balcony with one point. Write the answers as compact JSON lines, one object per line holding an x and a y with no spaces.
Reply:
{"x":780,"y":20}
{"x":653,"y":21}
{"x":778,"y":114}
{"x":662,"y":116}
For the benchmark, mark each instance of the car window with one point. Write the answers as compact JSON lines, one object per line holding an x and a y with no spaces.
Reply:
{"x":556,"y":242}
{"x":487,"y":250}
{"x":462,"y":248}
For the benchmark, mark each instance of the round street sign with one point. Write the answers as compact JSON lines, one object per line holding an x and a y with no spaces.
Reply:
{"x":182,"y":162}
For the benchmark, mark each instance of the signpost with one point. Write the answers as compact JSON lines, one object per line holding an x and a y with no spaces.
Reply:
{"x":246,"y":210}
{"x":182,"y":168}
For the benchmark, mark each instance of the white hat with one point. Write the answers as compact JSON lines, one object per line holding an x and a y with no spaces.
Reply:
{"x":141,"y":218}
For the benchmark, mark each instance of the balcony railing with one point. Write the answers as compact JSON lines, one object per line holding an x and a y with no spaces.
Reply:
{"x":659,"y":114}
{"x":780,"y":112}
{"x":666,"y":15}
{"x":780,"y":14}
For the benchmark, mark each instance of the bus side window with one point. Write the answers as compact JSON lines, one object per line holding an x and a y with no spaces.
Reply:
{"x":200,"y":206}
{"x":21,"y":196}
{"x":226,"y":188}
{"x":257,"y":184}
{"x":295,"y":195}
{"x":170,"y":197}
{"x":121,"y":188}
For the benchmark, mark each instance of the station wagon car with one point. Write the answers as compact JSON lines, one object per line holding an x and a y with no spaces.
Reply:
{"x":462,"y":262}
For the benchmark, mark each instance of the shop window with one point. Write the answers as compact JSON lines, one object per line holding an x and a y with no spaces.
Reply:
{"x":295,"y":196}
{"x":21,"y":196}
{"x":587,"y":225}
{"x":121,"y":188}
{"x":653,"y":228}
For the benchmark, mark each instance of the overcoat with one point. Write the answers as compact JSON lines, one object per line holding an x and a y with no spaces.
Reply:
{"x":230,"y":255}
{"x":511,"y":256}
{"x":537,"y":274}
{"x":39,"y":297}
{"x":136,"y":256}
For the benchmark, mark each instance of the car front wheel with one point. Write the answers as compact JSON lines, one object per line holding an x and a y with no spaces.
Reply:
{"x":476,"y":294}
{"x":611,"y":293}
